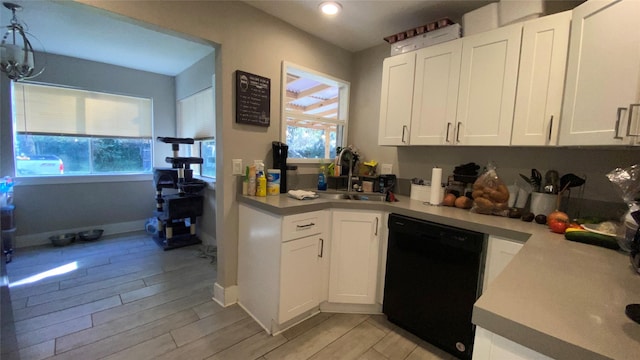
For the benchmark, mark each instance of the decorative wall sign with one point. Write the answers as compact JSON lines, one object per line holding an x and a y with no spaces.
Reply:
{"x":253,"y":99}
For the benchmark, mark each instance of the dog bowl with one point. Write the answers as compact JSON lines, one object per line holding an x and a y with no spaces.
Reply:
{"x":62,"y":240}
{"x":90,"y":235}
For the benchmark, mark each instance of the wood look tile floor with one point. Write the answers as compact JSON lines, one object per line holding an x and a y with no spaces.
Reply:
{"x":125,"y":298}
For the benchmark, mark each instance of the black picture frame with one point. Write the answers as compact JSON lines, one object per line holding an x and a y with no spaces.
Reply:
{"x":253,"y":99}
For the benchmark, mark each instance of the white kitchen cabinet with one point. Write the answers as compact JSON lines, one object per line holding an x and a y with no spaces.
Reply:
{"x":543,"y":60}
{"x":435,"y":94}
{"x":603,"y":74}
{"x":300,"y":276}
{"x":490,"y":346}
{"x":354,"y":260}
{"x":487,"y":345}
{"x":500,"y":251}
{"x":488,"y":78}
{"x":281,"y":260}
{"x":395,"y":99}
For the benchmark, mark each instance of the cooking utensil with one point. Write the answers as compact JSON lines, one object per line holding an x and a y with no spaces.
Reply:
{"x":551,"y":182}
{"x":536,"y":180}
{"x":572,"y":180}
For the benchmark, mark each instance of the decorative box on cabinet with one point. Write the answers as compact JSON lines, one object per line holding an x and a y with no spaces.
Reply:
{"x":602,"y":91}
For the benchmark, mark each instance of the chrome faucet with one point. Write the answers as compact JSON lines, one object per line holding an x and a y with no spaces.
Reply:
{"x":339,"y":163}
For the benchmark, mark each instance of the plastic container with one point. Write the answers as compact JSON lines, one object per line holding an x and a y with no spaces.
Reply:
{"x":273,"y":182}
{"x":261,"y":189}
{"x":420,"y":192}
{"x":481,"y":19}
{"x":322,"y":180}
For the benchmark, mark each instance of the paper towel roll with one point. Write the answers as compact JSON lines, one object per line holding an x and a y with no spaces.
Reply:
{"x":435,"y":197}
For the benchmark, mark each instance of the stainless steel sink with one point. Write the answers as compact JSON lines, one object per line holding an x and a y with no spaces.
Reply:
{"x":351,"y":196}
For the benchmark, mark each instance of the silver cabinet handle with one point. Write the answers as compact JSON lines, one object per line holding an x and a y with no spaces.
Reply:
{"x":305,"y":226}
{"x":321,"y":248}
{"x":404,"y":127}
{"x":448,"y":127}
{"x":631,"y":106}
{"x":550,"y":128}
{"x":619,"y":113}
{"x":458,"y":132}
{"x":376,"y":233}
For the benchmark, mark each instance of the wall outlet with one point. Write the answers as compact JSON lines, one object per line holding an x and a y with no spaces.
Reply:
{"x":237,"y":167}
{"x":386,"y":169}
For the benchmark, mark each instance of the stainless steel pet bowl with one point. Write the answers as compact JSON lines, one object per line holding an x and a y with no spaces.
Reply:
{"x":62,"y":240}
{"x":90,"y":235}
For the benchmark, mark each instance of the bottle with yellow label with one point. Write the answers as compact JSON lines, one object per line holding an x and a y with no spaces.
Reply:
{"x":261,"y":189}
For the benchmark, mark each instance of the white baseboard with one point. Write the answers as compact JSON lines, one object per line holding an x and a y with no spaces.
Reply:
{"x":109,"y":229}
{"x":351,"y":308}
{"x":225,"y":296}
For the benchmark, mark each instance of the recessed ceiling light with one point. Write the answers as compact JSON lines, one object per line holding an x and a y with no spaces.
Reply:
{"x":330,"y":7}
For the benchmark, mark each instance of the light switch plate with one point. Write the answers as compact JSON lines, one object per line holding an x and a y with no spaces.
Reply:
{"x":237,"y":166}
{"x":386,"y":169}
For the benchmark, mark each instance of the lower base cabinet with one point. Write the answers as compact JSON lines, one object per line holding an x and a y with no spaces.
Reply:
{"x":354,"y":260}
{"x":281,"y":261}
{"x":490,"y":346}
{"x":487,"y":345}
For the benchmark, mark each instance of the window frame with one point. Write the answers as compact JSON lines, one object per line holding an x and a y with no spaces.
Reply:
{"x":343,"y":107}
{"x":80,"y":178}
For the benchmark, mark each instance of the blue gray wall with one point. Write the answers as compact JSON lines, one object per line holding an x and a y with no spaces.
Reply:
{"x":45,"y":208}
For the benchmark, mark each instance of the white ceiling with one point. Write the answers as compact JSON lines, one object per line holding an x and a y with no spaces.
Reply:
{"x":77,"y":30}
{"x":365,"y":23}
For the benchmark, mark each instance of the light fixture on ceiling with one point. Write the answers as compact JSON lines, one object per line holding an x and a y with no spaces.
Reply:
{"x":330,"y":7}
{"x":16,"y":52}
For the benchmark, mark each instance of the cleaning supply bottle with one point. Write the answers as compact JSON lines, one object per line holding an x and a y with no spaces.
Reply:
{"x":261,"y":189}
{"x":322,"y":179}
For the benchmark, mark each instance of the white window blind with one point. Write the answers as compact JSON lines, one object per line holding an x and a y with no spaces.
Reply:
{"x":196,"y":116}
{"x":44,"y":109}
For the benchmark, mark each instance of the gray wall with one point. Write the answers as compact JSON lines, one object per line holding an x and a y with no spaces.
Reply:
{"x":196,"y":78}
{"x":47,"y":208}
{"x":252,"y":41}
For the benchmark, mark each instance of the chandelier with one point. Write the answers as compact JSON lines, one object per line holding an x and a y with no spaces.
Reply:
{"x":16,"y":52}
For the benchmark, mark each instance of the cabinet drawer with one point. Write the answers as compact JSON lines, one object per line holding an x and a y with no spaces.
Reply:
{"x":301,"y":225}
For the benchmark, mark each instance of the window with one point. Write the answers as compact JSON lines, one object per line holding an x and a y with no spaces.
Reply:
{"x":196,"y":120}
{"x":315,"y":113}
{"x":62,"y":131}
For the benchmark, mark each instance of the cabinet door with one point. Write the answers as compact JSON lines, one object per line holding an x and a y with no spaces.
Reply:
{"x":488,"y":78}
{"x":603,"y":73}
{"x":300,"y":276}
{"x":543,"y":59}
{"x":500,"y":251}
{"x":435,"y":94}
{"x":396,"y":99}
{"x":353,"y":272}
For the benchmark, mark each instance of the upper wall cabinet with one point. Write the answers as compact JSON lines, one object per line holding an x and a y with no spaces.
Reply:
{"x":435,"y":94}
{"x":603,"y":75}
{"x":488,"y":78}
{"x":543,"y":59}
{"x":396,"y":99}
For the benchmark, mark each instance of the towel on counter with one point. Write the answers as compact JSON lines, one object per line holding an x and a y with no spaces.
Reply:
{"x":302,"y":194}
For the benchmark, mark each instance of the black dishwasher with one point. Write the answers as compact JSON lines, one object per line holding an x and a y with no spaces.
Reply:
{"x":432,"y":280}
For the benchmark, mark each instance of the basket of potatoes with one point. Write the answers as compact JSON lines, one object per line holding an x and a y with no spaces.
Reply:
{"x":490,"y":195}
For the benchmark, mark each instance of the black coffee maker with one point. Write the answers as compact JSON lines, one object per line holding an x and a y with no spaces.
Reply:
{"x":280,"y":153}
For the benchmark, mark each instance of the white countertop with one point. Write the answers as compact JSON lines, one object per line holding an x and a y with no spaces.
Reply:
{"x":557,"y":297}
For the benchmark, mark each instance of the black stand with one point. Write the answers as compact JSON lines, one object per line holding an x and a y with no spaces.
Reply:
{"x":177,"y":213}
